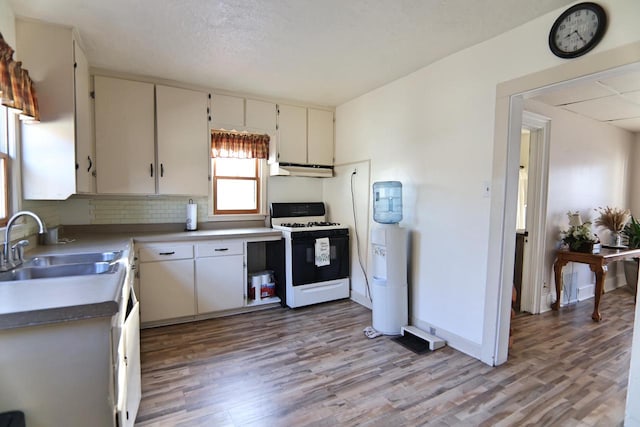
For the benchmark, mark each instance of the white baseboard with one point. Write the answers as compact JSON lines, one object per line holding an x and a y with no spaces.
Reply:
{"x":455,"y":341}
{"x":360,"y":299}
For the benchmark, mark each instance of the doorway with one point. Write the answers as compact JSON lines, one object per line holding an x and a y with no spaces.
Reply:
{"x":531,"y":212}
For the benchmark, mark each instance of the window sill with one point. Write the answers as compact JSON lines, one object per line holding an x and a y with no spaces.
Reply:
{"x":221,"y":218}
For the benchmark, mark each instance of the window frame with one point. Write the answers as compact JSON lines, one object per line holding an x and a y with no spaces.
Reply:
{"x":257,"y":178}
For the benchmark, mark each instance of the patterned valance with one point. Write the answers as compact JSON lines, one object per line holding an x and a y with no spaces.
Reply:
{"x":16,"y":87}
{"x":239,"y":145}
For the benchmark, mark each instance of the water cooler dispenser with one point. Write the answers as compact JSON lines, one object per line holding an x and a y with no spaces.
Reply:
{"x":389,"y":244}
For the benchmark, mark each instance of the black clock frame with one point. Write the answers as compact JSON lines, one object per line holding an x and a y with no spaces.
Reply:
{"x":602,"y":27}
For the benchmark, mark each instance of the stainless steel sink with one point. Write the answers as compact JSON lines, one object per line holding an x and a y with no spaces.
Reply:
{"x":61,"y":270}
{"x":81,"y":258}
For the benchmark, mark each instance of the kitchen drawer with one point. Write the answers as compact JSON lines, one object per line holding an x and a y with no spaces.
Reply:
{"x":165,"y":252}
{"x":220,"y":248}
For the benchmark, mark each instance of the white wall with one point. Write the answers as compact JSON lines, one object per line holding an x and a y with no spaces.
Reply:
{"x":589,"y":167}
{"x":348,"y":202}
{"x":434,"y":131}
{"x":7,"y":23}
{"x":635,"y":179}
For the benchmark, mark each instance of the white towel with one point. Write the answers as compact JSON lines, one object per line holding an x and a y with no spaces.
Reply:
{"x":323,"y":249}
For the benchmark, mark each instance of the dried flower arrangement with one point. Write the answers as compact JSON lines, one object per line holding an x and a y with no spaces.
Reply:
{"x":613,"y":219}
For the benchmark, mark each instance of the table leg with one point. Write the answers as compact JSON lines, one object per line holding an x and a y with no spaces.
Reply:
{"x":557,"y":269}
{"x":600,"y":272}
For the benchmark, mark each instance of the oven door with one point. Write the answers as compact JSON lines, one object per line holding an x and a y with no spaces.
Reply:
{"x":303,"y":265}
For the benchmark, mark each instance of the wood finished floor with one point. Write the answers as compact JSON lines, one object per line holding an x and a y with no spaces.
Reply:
{"x":314,"y":367}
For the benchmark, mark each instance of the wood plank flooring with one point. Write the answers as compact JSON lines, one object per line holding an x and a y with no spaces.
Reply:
{"x":313,"y":366}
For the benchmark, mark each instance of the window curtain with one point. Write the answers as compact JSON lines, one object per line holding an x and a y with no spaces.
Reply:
{"x":16,"y":87}
{"x":239,"y":145}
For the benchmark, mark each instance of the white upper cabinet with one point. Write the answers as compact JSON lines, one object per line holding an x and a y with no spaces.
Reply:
{"x":85,"y":148}
{"x":292,"y":134}
{"x":183,"y":149}
{"x":261,"y":116}
{"x":127,"y":126}
{"x":305,"y":136}
{"x":232,"y":112}
{"x":125,"y":154}
{"x":320,"y":137}
{"x":227,"y":112}
{"x":61,"y":142}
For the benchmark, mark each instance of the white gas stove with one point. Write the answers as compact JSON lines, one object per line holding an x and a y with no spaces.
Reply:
{"x":316,"y":253}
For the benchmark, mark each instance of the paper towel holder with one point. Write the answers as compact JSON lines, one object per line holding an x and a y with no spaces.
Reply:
{"x":192,"y":216}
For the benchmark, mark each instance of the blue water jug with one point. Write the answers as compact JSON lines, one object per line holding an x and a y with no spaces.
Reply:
{"x":387,"y":202}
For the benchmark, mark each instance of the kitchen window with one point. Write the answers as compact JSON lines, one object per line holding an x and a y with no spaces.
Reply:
{"x":4,"y":166}
{"x":236,"y":186}
{"x":237,"y":161}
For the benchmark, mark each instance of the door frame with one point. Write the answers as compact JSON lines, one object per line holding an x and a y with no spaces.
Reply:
{"x":508,"y":114}
{"x":538,"y":180}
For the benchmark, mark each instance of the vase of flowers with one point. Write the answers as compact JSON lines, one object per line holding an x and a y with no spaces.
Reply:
{"x":579,"y":237}
{"x":614,"y":220}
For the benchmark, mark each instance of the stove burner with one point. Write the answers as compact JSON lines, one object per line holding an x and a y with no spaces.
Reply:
{"x":308,"y":224}
{"x":293,"y":225}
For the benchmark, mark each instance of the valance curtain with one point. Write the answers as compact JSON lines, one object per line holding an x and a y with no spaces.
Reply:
{"x":16,"y":87}
{"x":239,"y":145}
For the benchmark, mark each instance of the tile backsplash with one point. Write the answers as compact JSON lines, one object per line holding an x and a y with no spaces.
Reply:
{"x":129,"y":210}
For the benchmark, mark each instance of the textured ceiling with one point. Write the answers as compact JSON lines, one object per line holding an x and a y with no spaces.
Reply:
{"x":318,"y":51}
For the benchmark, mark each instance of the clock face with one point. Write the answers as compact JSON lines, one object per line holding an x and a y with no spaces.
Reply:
{"x":577,"y":30}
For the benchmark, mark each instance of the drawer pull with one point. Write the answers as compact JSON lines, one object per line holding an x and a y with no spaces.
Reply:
{"x":221,"y":249}
{"x":167,"y":253}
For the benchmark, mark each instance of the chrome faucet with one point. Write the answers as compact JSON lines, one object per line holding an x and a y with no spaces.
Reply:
{"x":12,"y":256}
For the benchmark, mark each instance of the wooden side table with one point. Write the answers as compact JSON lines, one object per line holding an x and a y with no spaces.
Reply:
{"x":597,"y":263}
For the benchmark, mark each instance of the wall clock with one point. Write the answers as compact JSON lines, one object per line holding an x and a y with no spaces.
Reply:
{"x":577,"y":30}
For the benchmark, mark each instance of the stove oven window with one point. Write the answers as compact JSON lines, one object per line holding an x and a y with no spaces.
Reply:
{"x":236,"y":186}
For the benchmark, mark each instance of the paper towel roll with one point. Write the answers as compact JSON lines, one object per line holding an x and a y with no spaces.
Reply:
{"x":192,"y":216}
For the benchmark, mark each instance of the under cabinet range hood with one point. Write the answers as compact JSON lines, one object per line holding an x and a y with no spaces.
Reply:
{"x":293,"y":169}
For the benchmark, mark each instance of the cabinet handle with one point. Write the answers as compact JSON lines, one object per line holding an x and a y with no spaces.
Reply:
{"x":151,"y":167}
{"x":167,"y":253}
{"x":90,"y":164}
{"x":221,"y":249}
{"x":161,"y":170}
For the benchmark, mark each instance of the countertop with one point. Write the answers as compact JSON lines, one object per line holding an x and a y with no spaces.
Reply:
{"x":42,"y":301}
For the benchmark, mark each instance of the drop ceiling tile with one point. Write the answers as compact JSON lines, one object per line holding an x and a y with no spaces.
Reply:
{"x":632,"y":125}
{"x":627,"y":82}
{"x":582,"y":92}
{"x":609,"y":108}
{"x":633,"y":96}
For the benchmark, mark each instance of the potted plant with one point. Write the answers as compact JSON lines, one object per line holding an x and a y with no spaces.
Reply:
{"x":632,"y":233}
{"x":579,"y":237}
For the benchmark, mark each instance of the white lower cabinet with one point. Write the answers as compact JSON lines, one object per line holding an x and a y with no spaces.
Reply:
{"x":220,"y":276}
{"x":181,"y":280}
{"x":166,"y":281}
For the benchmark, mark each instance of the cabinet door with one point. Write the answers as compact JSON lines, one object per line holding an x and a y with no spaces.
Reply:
{"x":183,"y":155}
{"x":124,"y":120}
{"x":129,"y":380}
{"x":227,"y":112}
{"x":261,"y":116}
{"x":292,"y":134}
{"x":85,"y":157}
{"x":219,"y":282}
{"x":320,"y":137}
{"x":48,"y":148}
{"x":166,"y":290}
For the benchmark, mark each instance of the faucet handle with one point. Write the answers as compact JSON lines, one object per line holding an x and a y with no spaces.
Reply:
{"x":17,"y":251}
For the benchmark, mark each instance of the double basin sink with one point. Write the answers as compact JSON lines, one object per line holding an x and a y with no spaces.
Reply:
{"x":64,"y":265}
